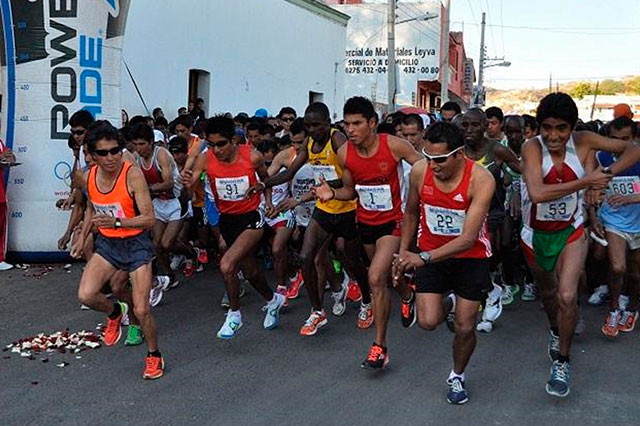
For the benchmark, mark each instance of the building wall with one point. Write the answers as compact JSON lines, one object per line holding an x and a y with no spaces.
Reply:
{"x":260,"y":54}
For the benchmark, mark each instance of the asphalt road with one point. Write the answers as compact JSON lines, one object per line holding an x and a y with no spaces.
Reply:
{"x":279,"y":377}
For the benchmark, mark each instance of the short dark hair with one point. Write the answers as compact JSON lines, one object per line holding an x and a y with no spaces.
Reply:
{"x":81,"y":118}
{"x":241,"y":118}
{"x":137,"y":119}
{"x":298,"y":126}
{"x":253,"y":126}
{"x":156,"y":110}
{"x":267,"y":129}
{"x":220,"y":125}
{"x":557,"y":105}
{"x":411,"y":119}
{"x":185,"y":120}
{"x":142,"y":131}
{"x":268,"y":146}
{"x":320,"y":109}
{"x":496,"y":112}
{"x":161,"y":121}
{"x":287,"y":110}
{"x":360,"y":105}
{"x":516,"y":117}
{"x":530,"y":121}
{"x":178,"y":144}
{"x":451,"y":106}
{"x":622,"y":122}
{"x":386,"y":128}
{"x":101,"y":129}
{"x":443,"y":132}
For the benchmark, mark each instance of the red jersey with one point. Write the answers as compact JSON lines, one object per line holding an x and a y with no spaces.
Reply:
{"x":153,"y":174}
{"x":442,"y":216}
{"x":377,"y":182}
{"x":230,"y":181}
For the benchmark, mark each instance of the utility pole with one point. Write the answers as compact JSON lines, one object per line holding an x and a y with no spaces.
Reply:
{"x":481,"y":61}
{"x":391,"y":66}
{"x":444,"y":87}
{"x":595,"y":96}
{"x":550,"y":83}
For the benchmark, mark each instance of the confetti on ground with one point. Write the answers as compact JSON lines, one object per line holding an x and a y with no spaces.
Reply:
{"x":61,"y":342}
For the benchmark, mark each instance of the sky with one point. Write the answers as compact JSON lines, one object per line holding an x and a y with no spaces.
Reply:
{"x":571,"y":39}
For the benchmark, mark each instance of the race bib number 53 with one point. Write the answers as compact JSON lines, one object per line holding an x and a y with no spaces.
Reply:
{"x":232,"y":189}
{"x":447,"y":222}
{"x":560,"y":210}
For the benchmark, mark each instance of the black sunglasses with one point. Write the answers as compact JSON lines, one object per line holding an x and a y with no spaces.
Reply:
{"x":104,"y":152}
{"x":288,"y":119}
{"x":218,"y":144}
{"x":78,"y":132}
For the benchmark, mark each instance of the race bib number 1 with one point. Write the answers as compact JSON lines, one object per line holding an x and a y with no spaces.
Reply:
{"x":625,"y":185}
{"x":447,"y":222}
{"x":232,"y":189}
{"x":375,"y":197}
{"x":560,"y":210}
{"x":113,"y":210}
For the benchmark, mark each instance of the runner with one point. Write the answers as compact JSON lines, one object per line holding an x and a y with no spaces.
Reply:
{"x":231,"y":170}
{"x":162,"y":177}
{"x":620,"y":219}
{"x":450,"y":196}
{"x":552,"y":234}
{"x":372,"y":173}
{"x":495,"y":119}
{"x":117,"y":191}
{"x":330,"y":219}
{"x":449,"y":110}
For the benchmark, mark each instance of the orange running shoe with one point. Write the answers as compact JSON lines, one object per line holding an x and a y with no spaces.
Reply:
{"x":365,"y":316}
{"x":113,"y":331}
{"x":316,"y":320}
{"x":153,"y":367}
{"x":294,"y":286}
{"x":610,"y":326}
{"x":627,"y":321}
{"x":377,"y":358}
{"x":353,"y":292}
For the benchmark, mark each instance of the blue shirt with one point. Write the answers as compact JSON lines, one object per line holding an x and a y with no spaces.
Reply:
{"x":623,"y":218}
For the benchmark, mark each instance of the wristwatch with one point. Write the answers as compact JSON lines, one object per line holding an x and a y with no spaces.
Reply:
{"x":118,"y":223}
{"x":607,"y":170}
{"x":425,"y":256}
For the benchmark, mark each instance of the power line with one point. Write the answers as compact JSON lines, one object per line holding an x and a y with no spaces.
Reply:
{"x":568,"y":30}
{"x":577,"y":78}
{"x":502,"y":28}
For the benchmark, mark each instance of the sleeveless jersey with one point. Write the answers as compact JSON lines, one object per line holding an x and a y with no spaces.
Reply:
{"x":230,"y":181}
{"x":488,"y":161}
{"x":117,"y":202}
{"x":325,"y":164}
{"x":377,"y":182}
{"x":301,"y":184}
{"x":442,"y":216}
{"x":555,"y":215}
{"x":198,"y":188}
{"x":153,"y":174}
{"x":623,"y":218}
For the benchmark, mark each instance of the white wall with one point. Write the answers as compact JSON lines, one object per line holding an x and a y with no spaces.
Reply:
{"x":260,"y":53}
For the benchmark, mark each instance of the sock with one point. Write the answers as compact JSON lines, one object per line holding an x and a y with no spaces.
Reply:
{"x":155,"y":353}
{"x":563,"y":358}
{"x":117,"y":310}
{"x":383,"y":347}
{"x":453,"y":374}
{"x":555,"y":332}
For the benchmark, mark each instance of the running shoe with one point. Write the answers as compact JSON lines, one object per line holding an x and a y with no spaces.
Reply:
{"x":203,"y":257}
{"x":457,"y":394}
{"x":125,"y":320}
{"x":365,"y":316}
{"x":224,"y":302}
{"x":553,"y":348}
{"x":610,"y":326}
{"x":484,"y":327}
{"x":493,"y":307}
{"x":558,"y":384}
{"x":506,"y":296}
{"x":113,"y":330}
{"x":581,"y":326}
{"x":409,"y":311}
{"x":627,"y":321}
{"x":599,"y":295}
{"x":177,"y":261}
{"x":283,"y":290}
{"x":353,"y":291}
{"x":340,"y":299}
{"x":623,"y":302}
{"x":163,"y":282}
{"x":4,"y":266}
{"x":230,"y":327}
{"x":294,"y":286}
{"x":337,"y":266}
{"x":189,"y":268}
{"x":200,"y":267}
{"x":316,"y":320}
{"x":84,"y":307}
{"x":529,"y":292}
{"x":134,"y":336}
{"x":155,"y":296}
{"x":377,"y":358}
{"x":153,"y":367}
{"x":173,"y":284}
{"x":273,"y":311}
{"x":450,"y":312}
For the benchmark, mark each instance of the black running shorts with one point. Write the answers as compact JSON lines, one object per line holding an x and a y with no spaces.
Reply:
{"x":340,"y":225}
{"x":467,"y":278}
{"x":232,"y":225}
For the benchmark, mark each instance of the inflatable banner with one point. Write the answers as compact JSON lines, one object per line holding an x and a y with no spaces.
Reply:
{"x":58,"y":56}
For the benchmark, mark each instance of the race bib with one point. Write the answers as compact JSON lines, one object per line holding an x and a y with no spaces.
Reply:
{"x":442,"y":221}
{"x":624,"y":185}
{"x":304,"y":211}
{"x":328,"y":173}
{"x":375,"y":197}
{"x":113,"y":210}
{"x":232,"y":189}
{"x":560,"y":210}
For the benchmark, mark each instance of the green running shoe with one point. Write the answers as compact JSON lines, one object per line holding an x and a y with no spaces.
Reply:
{"x":134,"y":336}
{"x":337,"y":266}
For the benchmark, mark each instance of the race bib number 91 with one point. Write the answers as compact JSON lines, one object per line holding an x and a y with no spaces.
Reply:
{"x":232,"y":189}
{"x":625,"y":185}
{"x":560,"y":210}
{"x":447,"y":222}
{"x":113,"y":210}
{"x":375,"y":197}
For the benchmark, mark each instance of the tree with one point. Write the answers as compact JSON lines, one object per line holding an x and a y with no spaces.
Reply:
{"x":633,"y":85}
{"x":611,"y":87}
{"x":581,"y":89}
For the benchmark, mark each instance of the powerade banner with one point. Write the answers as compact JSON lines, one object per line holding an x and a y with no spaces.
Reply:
{"x":57,"y":56}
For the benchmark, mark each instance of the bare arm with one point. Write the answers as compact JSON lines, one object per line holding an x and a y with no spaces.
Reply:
{"x":279,"y":161}
{"x":138,"y":187}
{"x":167,"y":173}
{"x":403,"y":150}
{"x":191,"y":176}
{"x":287,"y":175}
{"x":412,"y":209}
{"x":629,"y":151}
{"x":346,"y":191}
{"x":508,"y":157}
{"x":257,"y":160}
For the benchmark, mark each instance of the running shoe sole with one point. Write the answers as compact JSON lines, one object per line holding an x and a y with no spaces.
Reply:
{"x":553,"y":393}
{"x":320,"y":324}
{"x":125,"y":309}
{"x":464,"y":401}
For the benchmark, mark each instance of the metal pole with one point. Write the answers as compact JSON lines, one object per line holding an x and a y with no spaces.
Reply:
{"x":444,"y":87}
{"x":595,"y":96}
{"x":481,"y":60}
{"x":391,"y":46}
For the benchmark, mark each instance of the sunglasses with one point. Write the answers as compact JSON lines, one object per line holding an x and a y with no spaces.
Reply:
{"x":288,"y":119}
{"x":218,"y":144}
{"x":78,"y":132}
{"x":104,"y":152}
{"x":439,"y":159}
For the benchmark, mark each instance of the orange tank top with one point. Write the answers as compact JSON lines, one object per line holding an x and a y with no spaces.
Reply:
{"x":117,"y":202}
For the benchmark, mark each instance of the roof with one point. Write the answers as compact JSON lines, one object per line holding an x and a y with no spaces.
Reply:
{"x":323,"y":10}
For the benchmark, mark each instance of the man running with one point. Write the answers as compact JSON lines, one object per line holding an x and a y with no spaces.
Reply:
{"x":231,"y":171}
{"x":121,"y":209}
{"x":372,"y":174}
{"x":552,"y":234}
{"x":450,"y":195}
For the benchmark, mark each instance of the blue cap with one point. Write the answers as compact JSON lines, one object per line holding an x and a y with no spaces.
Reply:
{"x":262,"y":113}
